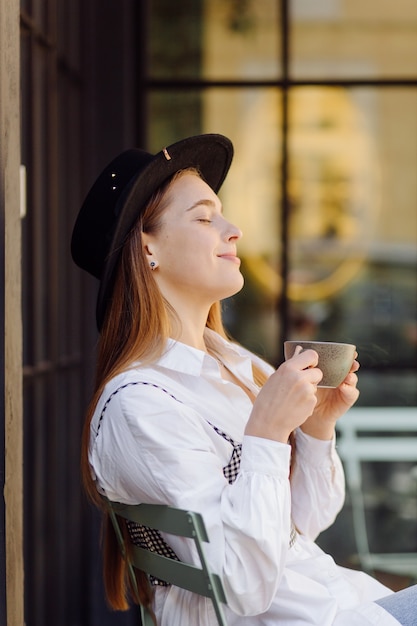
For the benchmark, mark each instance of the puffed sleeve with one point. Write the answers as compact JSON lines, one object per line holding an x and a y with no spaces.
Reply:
{"x":317,"y":484}
{"x":150,"y":448}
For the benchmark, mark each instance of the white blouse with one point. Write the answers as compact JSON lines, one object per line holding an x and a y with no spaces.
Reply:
{"x":165,"y":433}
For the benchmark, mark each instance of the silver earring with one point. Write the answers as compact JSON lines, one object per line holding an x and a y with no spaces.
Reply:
{"x":152,"y":265}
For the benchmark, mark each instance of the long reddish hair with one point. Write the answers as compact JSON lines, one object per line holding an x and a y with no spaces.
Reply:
{"x":137,"y":324}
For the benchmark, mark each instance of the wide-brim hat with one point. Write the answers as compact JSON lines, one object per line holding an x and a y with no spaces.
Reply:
{"x":120,"y":194}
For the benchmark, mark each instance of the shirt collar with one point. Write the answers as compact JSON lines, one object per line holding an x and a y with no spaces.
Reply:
{"x":184,"y":358}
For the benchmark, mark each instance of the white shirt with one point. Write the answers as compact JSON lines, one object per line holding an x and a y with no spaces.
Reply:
{"x":153,"y":439}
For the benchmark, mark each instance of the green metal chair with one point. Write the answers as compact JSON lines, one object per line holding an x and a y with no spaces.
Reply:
{"x":377,"y":434}
{"x":174,"y":521}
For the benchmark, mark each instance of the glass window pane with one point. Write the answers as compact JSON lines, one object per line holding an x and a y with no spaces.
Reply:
{"x":212,"y":39}
{"x":175,"y":38}
{"x":359,"y":38}
{"x":353,"y":230}
{"x":251,"y":118}
{"x":172,"y":115}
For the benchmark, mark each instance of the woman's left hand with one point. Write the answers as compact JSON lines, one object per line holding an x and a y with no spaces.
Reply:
{"x":332,"y":404}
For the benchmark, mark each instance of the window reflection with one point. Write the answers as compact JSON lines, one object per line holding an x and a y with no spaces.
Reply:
{"x":214,"y":39}
{"x":334,"y":189}
{"x":353,"y":201}
{"x":242,"y":39}
{"x":359,"y":39}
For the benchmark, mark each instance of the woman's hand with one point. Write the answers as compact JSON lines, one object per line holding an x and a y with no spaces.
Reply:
{"x":287,"y":399}
{"x":332,"y":404}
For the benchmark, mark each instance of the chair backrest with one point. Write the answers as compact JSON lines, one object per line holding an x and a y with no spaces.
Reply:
{"x":386,"y":434}
{"x":199,"y":580}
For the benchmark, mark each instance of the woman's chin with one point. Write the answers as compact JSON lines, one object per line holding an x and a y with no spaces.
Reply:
{"x":234,"y":289}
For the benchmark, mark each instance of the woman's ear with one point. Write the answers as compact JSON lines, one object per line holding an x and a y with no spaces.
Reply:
{"x":149,"y":250}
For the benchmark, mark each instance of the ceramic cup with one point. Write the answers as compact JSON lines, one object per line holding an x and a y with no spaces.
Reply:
{"x":335,"y":359}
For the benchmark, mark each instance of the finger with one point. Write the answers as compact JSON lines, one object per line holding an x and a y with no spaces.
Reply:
{"x":351,"y":380}
{"x":306,"y":358}
{"x":314,"y":375}
{"x":355,"y":366}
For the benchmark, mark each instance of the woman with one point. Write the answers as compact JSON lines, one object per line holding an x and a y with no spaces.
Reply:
{"x":182,"y":416}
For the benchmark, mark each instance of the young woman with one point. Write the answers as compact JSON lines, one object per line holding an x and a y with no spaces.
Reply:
{"x":183,"y":416}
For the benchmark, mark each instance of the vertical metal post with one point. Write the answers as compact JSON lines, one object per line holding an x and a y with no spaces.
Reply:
{"x":285,"y":205}
{"x":11,"y":504}
{"x":3,"y":607}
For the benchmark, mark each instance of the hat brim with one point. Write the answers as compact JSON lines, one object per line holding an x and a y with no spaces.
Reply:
{"x":210,"y":154}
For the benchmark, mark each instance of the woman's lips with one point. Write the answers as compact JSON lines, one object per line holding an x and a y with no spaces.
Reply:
{"x":230,"y":257}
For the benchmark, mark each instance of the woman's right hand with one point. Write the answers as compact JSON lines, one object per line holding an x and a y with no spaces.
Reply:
{"x":287,"y":399}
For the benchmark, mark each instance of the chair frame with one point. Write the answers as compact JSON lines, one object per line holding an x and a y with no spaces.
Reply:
{"x":174,"y":521}
{"x":386,"y":434}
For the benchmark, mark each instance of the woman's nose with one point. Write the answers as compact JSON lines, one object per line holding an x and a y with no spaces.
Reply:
{"x":233,"y":232}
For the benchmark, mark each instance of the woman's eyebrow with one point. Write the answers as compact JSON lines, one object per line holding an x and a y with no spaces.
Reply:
{"x":204,"y":202}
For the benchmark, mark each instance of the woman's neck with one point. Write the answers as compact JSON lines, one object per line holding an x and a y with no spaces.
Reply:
{"x":189,"y":328}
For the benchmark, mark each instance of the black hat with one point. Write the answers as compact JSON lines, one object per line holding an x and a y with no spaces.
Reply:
{"x":120,"y":194}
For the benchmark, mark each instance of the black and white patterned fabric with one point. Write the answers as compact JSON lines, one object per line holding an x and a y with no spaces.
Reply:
{"x":151,"y":540}
{"x":231,"y":470}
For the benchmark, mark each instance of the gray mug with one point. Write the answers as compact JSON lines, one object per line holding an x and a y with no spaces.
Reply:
{"x":335,"y":359}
